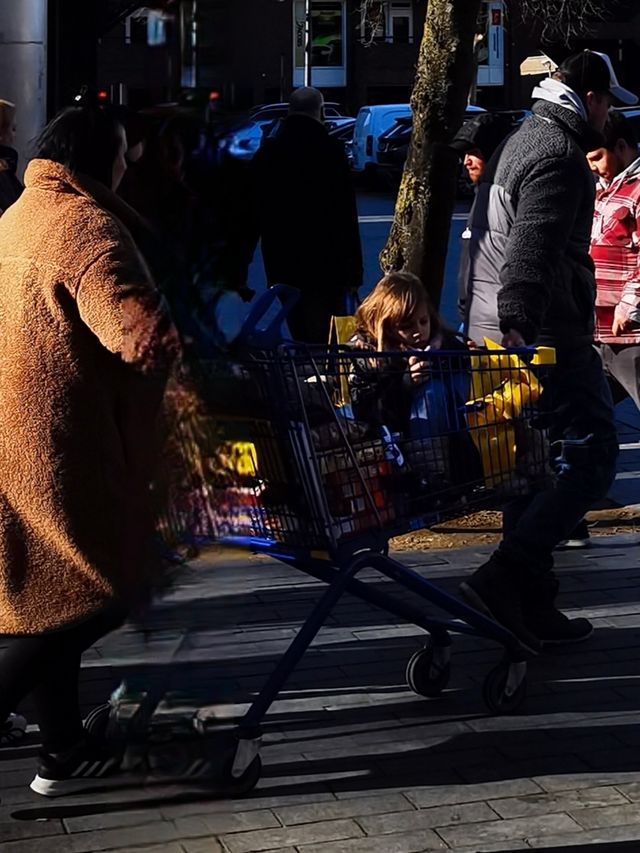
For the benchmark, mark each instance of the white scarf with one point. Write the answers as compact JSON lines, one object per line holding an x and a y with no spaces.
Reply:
{"x":558,"y":93}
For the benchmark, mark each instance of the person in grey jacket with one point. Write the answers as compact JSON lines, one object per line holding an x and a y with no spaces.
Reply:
{"x":476,"y":142}
{"x":531,"y":281}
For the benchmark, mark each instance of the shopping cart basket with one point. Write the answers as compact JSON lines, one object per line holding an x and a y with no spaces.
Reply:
{"x":324,"y":454}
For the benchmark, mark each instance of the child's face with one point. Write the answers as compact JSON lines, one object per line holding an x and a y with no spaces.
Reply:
{"x":415,"y":331}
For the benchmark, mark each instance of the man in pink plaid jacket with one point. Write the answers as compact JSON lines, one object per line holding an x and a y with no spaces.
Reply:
{"x":615,"y":249}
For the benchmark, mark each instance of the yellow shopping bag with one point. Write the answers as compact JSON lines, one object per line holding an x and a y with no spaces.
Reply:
{"x":502,"y":386}
{"x":341,"y":330}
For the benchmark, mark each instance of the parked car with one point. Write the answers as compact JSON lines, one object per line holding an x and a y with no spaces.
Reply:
{"x":371,"y":123}
{"x":271,"y":111}
{"x":243,"y":142}
{"x":394,"y":145}
{"x":343,"y":131}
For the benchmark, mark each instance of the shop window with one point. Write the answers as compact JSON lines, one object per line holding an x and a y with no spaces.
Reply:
{"x":389,"y":21}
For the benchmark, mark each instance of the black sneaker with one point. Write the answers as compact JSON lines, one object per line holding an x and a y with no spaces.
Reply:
{"x":553,"y":628}
{"x":496,"y":590}
{"x":90,"y":759}
{"x":579,"y":538}
{"x":543,"y":618}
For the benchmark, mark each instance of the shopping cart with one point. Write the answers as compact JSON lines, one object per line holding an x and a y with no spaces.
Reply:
{"x":320,"y":456}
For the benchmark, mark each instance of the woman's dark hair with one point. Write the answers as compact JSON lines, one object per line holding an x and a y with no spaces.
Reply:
{"x":618,"y":127}
{"x":82,"y":139}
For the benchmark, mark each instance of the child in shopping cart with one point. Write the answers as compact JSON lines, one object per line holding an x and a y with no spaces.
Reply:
{"x":418,"y":397}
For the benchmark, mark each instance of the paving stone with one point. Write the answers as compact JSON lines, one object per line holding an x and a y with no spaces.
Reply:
{"x":111,"y":820}
{"x":402,"y":842}
{"x":488,"y":847}
{"x":612,"y":816}
{"x":356,"y":808}
{"x":295,"y":836}
{"x":505,"y":830}
{"x":569,"y":781}
{"x":15,"y":830}
{"x":91,"y":842}
{"x":219,"y":824}
{"x":164,"y":848}
{"x":245,"y":804}
{"x":596,"y":836}
{"x":465,"y":813}
{"x":631,"y":790}
{"x":448,"y":795}
{"x":535,"y":804}
{"x":203,"y":845}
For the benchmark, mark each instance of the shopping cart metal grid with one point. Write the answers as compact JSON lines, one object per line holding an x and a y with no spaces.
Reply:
{"x":318,"y":456}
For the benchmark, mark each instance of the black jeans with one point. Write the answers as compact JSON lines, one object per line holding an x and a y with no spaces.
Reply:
{"x":576,"y":407}
{"x":47,"y":666}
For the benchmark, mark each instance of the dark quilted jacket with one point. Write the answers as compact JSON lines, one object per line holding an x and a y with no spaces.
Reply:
{"x":530,"y":268}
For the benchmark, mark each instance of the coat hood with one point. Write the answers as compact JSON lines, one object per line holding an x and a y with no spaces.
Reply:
{"x":586,"y":136}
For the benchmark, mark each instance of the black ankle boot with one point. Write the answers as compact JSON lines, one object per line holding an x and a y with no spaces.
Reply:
{"x":543,"y":618}
{"x":496,"y":589}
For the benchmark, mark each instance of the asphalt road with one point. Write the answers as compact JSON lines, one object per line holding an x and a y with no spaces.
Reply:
{"x":376,"y":213}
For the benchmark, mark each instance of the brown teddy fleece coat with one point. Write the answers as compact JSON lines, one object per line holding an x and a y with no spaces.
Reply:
{"x":85,"y":345}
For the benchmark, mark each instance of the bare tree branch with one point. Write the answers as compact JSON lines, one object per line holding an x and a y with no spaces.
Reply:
{"x":565,"y":19}
{"x":372,"y":16}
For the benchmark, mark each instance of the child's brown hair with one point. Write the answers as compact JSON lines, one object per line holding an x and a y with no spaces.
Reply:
{"x":394,"y":299}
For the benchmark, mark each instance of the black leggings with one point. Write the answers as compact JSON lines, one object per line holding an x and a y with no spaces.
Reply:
{"x":47,"y":666}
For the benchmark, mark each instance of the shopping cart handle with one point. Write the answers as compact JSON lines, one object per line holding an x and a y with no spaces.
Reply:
{"x":272,"y":334}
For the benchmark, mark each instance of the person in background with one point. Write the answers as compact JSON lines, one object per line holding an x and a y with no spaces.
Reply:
{"x":615,"y":240}
{"x":86,"y":345}
{"x":10,"y":186}
{"x":531,"y":281}
{"x":302,"y":205}
{"x":615,"y":249}
{"x":476,"y":141}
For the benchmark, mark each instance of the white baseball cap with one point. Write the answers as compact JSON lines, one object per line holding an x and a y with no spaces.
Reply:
{"x":592,"y":71}
{"x":622,"y":95}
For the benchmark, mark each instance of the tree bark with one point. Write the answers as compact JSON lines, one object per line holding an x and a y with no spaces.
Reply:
{"x":420,"y":232}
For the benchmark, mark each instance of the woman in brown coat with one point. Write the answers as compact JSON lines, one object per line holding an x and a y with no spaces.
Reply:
{"x":86,"y":343}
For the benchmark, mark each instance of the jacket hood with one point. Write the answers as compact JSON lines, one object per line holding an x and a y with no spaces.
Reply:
{"x":586,"y":136}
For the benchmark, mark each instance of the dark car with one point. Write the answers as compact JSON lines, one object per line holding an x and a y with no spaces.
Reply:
{"x":273,"y":111}
{"x":394,"y":145}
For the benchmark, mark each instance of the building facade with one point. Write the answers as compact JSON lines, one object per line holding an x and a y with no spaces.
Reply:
{"x":250,"y":53}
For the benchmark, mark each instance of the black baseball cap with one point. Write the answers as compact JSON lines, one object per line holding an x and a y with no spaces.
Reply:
{"x":484,"y":133}
{"x":591,"y":71}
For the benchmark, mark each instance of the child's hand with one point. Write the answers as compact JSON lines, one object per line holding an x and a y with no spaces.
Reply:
{"x":418,"y":369}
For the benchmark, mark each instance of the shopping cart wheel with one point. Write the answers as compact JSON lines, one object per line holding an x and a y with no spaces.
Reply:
{"x":429,"y":669}
{"x":505,"y":687}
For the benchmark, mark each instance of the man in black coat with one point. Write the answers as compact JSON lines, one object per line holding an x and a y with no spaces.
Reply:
{"x":531,"y":281}
{"x":303,"y":207}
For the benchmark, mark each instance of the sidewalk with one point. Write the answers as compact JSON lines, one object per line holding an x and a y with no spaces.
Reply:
{"x":354,"y":762}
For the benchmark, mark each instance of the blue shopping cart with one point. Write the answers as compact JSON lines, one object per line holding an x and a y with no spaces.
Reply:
{"x":287,"y":463}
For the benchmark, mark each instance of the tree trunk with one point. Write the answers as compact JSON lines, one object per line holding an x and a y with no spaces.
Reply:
{"x":420,"y":231}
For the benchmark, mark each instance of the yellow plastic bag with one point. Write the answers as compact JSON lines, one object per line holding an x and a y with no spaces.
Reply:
{"x":502,"y":386}
{"x":341,"y":330}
